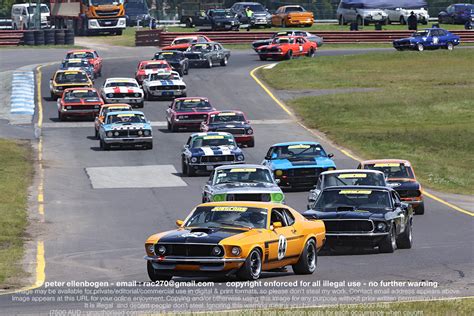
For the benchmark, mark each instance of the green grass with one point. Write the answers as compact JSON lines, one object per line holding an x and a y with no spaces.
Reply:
{"x":15,"y":177}
{"x":126,"y":39}
{"x":422,"y":110}
{"x":42,"y":46}
{"x":439,"y":307}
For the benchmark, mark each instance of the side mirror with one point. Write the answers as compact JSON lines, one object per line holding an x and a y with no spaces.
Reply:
{"x":398,"y":204}
{"x":277,"y":225}
{"x":330,"y":155}
{"x":268,"y":157}
{"x":179,"y":223}
{"x":186,"y":146}
{"x":277,"y":181}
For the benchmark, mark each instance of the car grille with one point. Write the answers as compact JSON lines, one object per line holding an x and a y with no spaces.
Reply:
{"x":184,"y":250}
{"x":220,"y":158}
{"x":107,"y":13}
{"x":122,"y":95}
{"x":266,"y":50}
{"x":171,"y":87}
{"x":409,"y":193}
{"x":192,"y":117}
{"x":347,"y":226}
{"x":304,"y":172}
{"x":128,"y":133}
{"x":107,"y":22}
{"x":82,"y":107}
{"x":256,"y":197}
{"x":233,"y":131}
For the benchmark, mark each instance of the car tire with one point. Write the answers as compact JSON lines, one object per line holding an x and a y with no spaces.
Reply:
{"x":251,"y":143}
{"x":140,"y":105}
{"x":209,"y":63}
{"x":405,"y":240}
{"x":449,"y":46}
{"x":419,"y":209}
{"x":262,"y":58}
{"x":389,"y":243}
{"x":289,"y":55}
{"x":186,"y":70}
{"x":252,"y":267}
{"x":224,"y":61}
{"x":402,"y":21}
{"x":308,"y":259}
{"x":341,"y":20}
{"x":149,"y":146}
{"x":173,"y":128}
{"x":311,"y":53}
{"x":154,"y":275}
{"x":60,"y":116}
{"x":184,"y":167}
{"x":420,"y":47}
{"x":104,"y":145}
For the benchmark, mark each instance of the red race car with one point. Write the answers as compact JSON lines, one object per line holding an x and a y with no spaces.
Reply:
{"x":183,"y":43}
{"x":90,"y":55}
{"x":79,"y":102}
{"x":234,"y":122}
{"x":188,"y":113}
{"x":286,"y":47}
{"x":147,"y":67}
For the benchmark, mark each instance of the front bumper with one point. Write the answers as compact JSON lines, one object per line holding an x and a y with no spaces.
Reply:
{"x":298,"y":181}
{"x":124,"y":100}
{"x":81,"y":112}
{"x":304,"y":21}
{"x":404,"y":45}
{"x":243,"y":138}
{"x":168,"y":93}
{"x":108,"y":24}
{"x":354,"y":239}
{"x":187,"y":123}
{"x":209,"y":166}
{"x":272,"y":55}
{"x":198,"y":266}
{"x":128,"y":140}
{"x":261,"y":21}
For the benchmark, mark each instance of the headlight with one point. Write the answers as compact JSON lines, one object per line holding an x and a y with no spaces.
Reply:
{"x":68,"y":107}
{"x":381,"y":226}
{"x":218,"y":198}
{"x":140,"y":133}
{"x":116,"y":134}
{"x":240,"y":157}
{"x":194,"y":159}
{"x":110,"y":95}
{"x":147,"y":133}
{"x":277,"y":197}
{"x":279,"y":173}
{"x":151,"y":249}
{"x":216,"y":251}
{"x":250,"y":131}
{"x":161,"y":250}
{"x":236,"y":251}
{"x":110,"y":134}
{"x":136,"y":95}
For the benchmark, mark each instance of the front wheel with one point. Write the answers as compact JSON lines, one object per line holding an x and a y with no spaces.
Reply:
{"x":252,"y":267}
{"x":389,"y":243}
{"x":289,"y":55}
{"x":406,"y":239}
{"x":104,"y":145}
{"x":119,"y":32}
{"x":308,"y":259}
{"x":262,"y":58}
{"x":449,"y":46}
{"x":311,"y":52}
{"x":419,"y":209}
{"x":209,"y":63}
{"x":251,"y":143}
{"x":154,"y":275}
{"x":224,"y":61}
{"x":402,"y":20}
{"x":420,"y":47}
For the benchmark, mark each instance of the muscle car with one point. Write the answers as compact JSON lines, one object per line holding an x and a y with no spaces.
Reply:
{"x":433,"y":38}
{"x":78,"y":64}
{"x":182,"y":43}
{"x":206,"y":151}
{"x":233,"y":122}
{"x":91,"y":55}
{"x":147,"y":67}
{"x":364,"y":216}
{"x":187,"y":113}
{"x":400,"y":176}
{"x":235,"y":238}
{"x":125,"y":128}
{"x":213,"y":20}
{"x":458,"y":13}
{"x":298,"y":164}
{"x":79,"y":102}
{"x":164,"y":84}
{"x":260,"y":15}
{"x":242,"y":183}
{"x":309,"y":36}
{"x":207,"y":55}
{"x":287,"y":47}
{"x":175,"y":59}
{"x":122,"y":90}
{"x":106,"y":108}
{"x":63,"y":79}
{"x":290,"y":15}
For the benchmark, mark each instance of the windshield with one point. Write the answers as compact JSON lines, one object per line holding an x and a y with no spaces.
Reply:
{"x":420,"y":34}
{"x":126,"y":118}
{"x":84,"y":95}
{"x":221,"y":13}
{"x":77,"y":64}
{"x":297,"y":151}
{"x":283,"y":40}
{"x":105,"y":2}
{"x":136,"y":5}
{"x":356,"y":178}
{"x":200,"y":47}
{"x":218,"y":216}
{"x":179,"y":41}
{"x":168,"y":55}
{"x":156,"y":66}
{"x":71,"y":77}
{"x":392,"y":170}
{"x":243,"y":175}
{"x":121,"y":84}
{"x":163,"y":76}
{"x":255,"y":7}
{"x":115,"y":109}
{"x":43,"y":9}
{"x":87,"y":55}
{"x":294,"y":9}
{"x":352,"y":200}
{"x":213,"y":141}
{"x":192,"y":104}
{"x":227,"y":117}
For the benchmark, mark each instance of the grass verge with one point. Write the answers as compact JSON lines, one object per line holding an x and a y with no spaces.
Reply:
{"x":419,"y":111}
{"x":16,"y":171}
{"x":126,"y":39}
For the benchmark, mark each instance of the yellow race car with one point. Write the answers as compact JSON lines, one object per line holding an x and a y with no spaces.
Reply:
{"x":236,"y":238}
{"x":63,"y":79}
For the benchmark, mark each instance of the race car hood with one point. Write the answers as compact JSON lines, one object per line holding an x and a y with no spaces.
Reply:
{"x":122,"y":90}
{"x":360,"y":214}
{"x":194,"y":111}
{"x":131,"y":126}
{"x":82,"y":102}
{"x":316,"y":162}
{"x":157,"y":83}
{"x":200,"y":235}
{"x":269,"y":46}
{"x":214,"y":126}
{"x":403,"y":184}
{"x":246,"y":187}
{"x":181,"y":47}
{"x":261,"y":42}
{"x":215,"y":150}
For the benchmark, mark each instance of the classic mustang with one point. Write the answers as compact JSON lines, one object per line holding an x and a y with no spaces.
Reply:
{"x":235,"y":238}
{"x":79,"y":102}
{"x":183,"y":43}
{"x":125,"y":128}
{"x":207,"y":55}
{"x":242,"y":183}
{"x":290,"y":15}
{"x":147,"y":67}
{"x":364,"y":216}
{"x":309,"y":36}
{"x":298,"y":164}
{"x":428,"y":39}
{"x":63,"y":79}
{"x":78,"y":64}
{"x":123,"y":90}
{"x":401,"y":177}
{"x":187,"y":113}
{"x":106,"y":108}
{"x":233,"y":122}
{"x":175,"y":59}
{"x":286,"y":47}
{"x":346,"y":177}
{"x":205,"y":151}
{"x":164,"y":84}
{"x":91,"y":55}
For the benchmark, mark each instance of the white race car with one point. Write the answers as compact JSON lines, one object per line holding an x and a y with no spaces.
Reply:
{"x":165,"y":84}
{"x":122,"y":90}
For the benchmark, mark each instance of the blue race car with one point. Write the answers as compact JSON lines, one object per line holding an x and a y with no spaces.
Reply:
{"x":78,"y":64}
{"x":432,"y":38}
{"x":125,"y":128}
{"x":298,"y":164}
{"x":205,"y":151}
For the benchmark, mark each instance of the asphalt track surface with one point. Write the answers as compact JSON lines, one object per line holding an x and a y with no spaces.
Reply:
{"x":98,"y":234}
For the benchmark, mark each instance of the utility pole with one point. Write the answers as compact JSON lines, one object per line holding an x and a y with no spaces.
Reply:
{"x":38,"y":15}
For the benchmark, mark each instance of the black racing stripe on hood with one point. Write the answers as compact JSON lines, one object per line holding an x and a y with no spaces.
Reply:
{"x":199,"y":235}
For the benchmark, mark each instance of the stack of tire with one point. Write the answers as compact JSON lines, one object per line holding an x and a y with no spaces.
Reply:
{"x":69,"y":37}
{"x":49,"y":37}
{"x":29,"y":38}
{"x":39,"y":37}
{"x":59,"y":37}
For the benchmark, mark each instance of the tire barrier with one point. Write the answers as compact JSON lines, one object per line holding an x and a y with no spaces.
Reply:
{"x":28,"y":38}
{"x":39,"y":37}
{"x":69,"y":37}
{"x":59,"y":37}
{"x":49,"y":37}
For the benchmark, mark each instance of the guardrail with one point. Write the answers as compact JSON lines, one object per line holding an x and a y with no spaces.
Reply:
{"x":8,"y":38}
{"x":162,"y":38}
{"x":6,"y":24}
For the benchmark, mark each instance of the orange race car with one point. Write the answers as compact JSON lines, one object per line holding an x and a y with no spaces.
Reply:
{"x":290,"y":15}
{"x":147,"y":67}
{"x":79,"y":102}
{"x":106,"y":108}
{"x":242,"y":238}
{"x":91,"y":55}
{"x":401,"y":177}
{"x":286,"y":47}
{"x":183,"y":43}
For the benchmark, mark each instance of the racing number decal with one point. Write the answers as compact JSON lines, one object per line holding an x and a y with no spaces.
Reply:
{"x":435,"y":40}
{"x":282,"y":243}
{"x":301,"y":48}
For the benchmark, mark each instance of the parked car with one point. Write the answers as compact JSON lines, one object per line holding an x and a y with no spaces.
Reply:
{"x":401,"y":15}
{"x":137,"y":12}
{"x":459,"y":13}
{"x":23,"y":16}
{"x":261,"y":16}
{"x":290,"y":15}
{"x":214,"y":20}
{"x":363,"y":12}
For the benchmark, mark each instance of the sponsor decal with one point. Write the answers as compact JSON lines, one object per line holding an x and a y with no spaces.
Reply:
{"x":192,"y":100}
{"x":244,"y":170}
{"x":352,"y":175}
{"x":394,"y":184}
{"x":355,"y":192}
{"x":125,"y":115}
{"x":195,"y":235}
{"x":300,"y":146}
{"x":226,"y":114}
{"x":229,"y":209}
{"x":388,"y":164}
{"x":214,"y":137}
